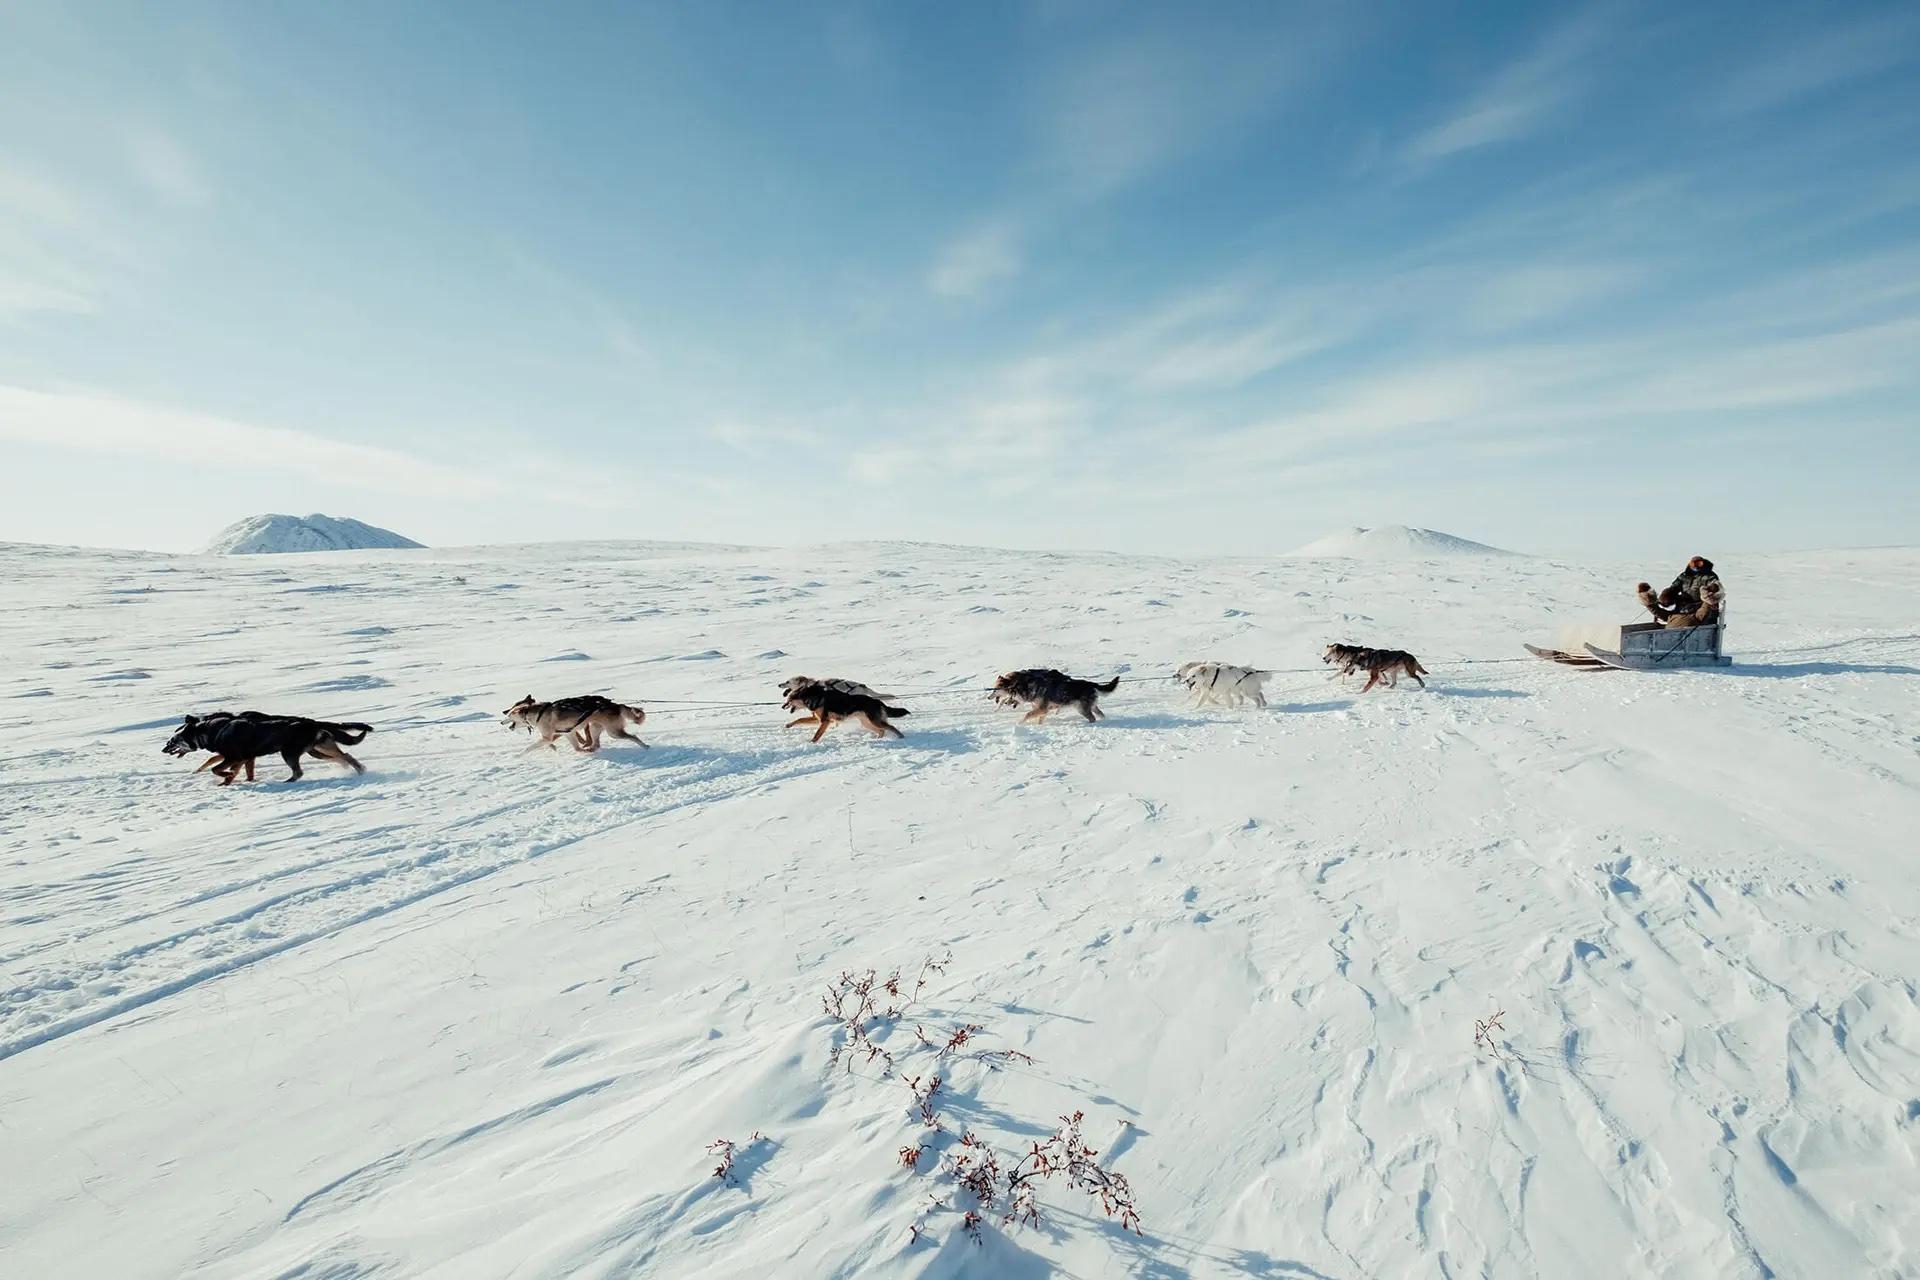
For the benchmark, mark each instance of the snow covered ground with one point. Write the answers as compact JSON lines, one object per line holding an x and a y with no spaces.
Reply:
{"x":479,"y":1013}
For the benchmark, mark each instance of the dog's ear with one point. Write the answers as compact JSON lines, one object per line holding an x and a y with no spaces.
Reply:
{"x":189,"y":722}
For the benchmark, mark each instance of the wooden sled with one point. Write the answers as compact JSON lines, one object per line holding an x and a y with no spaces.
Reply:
{"x":1648,"y":646}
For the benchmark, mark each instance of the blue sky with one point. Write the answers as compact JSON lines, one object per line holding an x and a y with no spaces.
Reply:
{"x":1184,"y":278}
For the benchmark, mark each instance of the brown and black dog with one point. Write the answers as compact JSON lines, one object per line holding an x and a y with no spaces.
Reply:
{"x":1043,"y":689}
{"x":827,"y":706}
{"x":1383,"y":666}
{"x":238,"y":740}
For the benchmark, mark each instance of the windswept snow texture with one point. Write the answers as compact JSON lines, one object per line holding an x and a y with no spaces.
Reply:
{"x":1394,"y":542}
{"x":270,"y":534}
{"x":479,"y":1013}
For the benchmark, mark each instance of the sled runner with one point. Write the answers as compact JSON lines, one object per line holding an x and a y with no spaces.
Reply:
{"x":1648,"y":646}
{"x":1566,"y":659}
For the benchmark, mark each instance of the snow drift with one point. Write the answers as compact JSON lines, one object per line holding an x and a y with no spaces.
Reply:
{"x":271,"y":534}
{"x":1395,"y":542}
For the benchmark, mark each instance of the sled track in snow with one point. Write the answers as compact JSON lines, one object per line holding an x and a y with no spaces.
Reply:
{"x":55,"y":997}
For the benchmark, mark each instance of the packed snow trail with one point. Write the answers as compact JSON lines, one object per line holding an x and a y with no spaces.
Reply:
{"x":478,"y":1013}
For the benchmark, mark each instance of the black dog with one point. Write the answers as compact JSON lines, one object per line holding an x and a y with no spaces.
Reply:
{"x":216,"y":760}
{"x":237,"y":740}
{"x":1046,"y":689}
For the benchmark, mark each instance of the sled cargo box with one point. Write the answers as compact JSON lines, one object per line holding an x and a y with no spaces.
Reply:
{"x":1648,"y":646}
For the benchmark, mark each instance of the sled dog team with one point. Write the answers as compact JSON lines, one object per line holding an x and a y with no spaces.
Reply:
{"x":235,"y":740}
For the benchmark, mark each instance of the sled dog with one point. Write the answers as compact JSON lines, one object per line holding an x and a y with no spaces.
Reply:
{"x":1383,"y":666}
{"x":791,"y":686}
{"x":216,"y":760}
{"x":582,"y":720}
{"x":1043,"y":689}
{"x":1217,"y":684}
{"x":827,"y":706}
{"x":238,"y":740}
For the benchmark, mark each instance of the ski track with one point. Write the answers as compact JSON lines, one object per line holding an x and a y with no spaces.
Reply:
{"x":486,"y":1010}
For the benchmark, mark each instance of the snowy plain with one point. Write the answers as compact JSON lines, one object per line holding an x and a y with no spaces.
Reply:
{"x":479,"y":1013}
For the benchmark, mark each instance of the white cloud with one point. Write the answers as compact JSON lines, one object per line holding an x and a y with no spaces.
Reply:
{"x":1517,"y":101}
{"x":1817,"y":61}
{"x":1529,"y":293}
{"x":1108,"y":115}
{"x":1211,"y":339}
{"x":20,"y":296}
{"x":976,"y":262}
{"x":757,"y":439}
{"x":1007,"y":443}
{"x":167,"y":167}
{"x":96,"y":423}
{"x":882,"y":465}
{"x":587,"y":306}
{"x":1797,"y":371}
{"x":1113,"y":113}
{"x":37,"y":218}
{"x":31,"y":197}
{"x":1229,"y":358}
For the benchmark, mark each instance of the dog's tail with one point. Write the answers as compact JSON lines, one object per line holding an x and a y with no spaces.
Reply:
{"x":895,"y":711}
{"x":1109,"y":686}
{"x":349,"y":732}
{"x":1413,"y":665}
{"x":636,"y":714}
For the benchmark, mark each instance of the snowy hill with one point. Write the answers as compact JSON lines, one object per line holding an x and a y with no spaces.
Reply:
{"x":478,"y":1013}
{"x":271,"y":534}
{"x":1395,"y":542}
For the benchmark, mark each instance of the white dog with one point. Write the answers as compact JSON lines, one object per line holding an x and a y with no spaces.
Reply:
{"x":1216,"y":684}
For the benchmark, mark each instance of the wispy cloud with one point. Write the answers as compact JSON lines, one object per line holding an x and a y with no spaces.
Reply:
{"x":21,"y":296}
{"x":95,"y":423}
{"x":592,"y":309}
{"x":1005,"y":444}
{"x":1209,"y":339}
{"x":758,"y":439}
{"x":976,"y":262}
{"x":1531,"y":292}
{"x":1114,"y":112}
{"x":1820,"y":60}
{"x":37,"y":217}
{"x":167,"y":168}
{"x":1519,"y":100}
{"x":1108,"y":115}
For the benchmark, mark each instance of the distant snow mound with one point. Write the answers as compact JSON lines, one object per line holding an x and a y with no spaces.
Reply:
{"x":1395,"y":542}
{"x":272,"y":534}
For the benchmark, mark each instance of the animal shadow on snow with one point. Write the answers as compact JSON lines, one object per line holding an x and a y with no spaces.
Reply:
{"x":1790,"y":670}
{"x":1142,"y":720}
{"x":1483,"y":693}
{"x":672,"y":753}
{"x":314,"y":780}
{"x":952,"y":741}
